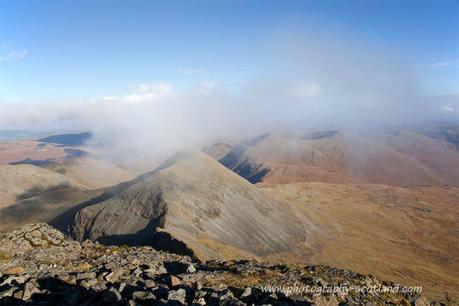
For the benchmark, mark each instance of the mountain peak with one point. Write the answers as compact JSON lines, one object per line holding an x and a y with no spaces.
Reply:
{"x":193,"y":199}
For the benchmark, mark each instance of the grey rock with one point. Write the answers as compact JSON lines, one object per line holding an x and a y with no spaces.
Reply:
{"x":247,"y":292}
{"x":114,"y":275}
{"x":87,"y":244}
{"x":18,"y":294}
{"x":17,"y":280}
{"x":132,"y":303}
{"x":137,"y":271}
{"x":121,"y":287}
{"x":89,"y":282}
{"x":149,"y":283}
{"x":87,"y":275}
{"x":200,"y":293}
{"x":178,"y":295}
{"x":200,"y":301}
{"x":142,"y":295}
{"x":119,"y":275}
{"x":29,"y":289}
{"x":191,"y":269}
{"x":99,"y":286}
{"x":9,"y":292}
{"x":39,"y":241}
{"x":149,"y":275}
{"x":161,"y":270}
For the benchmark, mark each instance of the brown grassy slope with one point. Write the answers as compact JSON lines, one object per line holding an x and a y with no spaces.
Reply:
{"x":217,"y":150}
{"x":409,"y":235}
{"x":6,"y":199}
{"x":21,"y":180}
{"x":88,"y":171}
{"x":399,"y":159}
{"x":13,"y":151}
{"x":91,"y":172}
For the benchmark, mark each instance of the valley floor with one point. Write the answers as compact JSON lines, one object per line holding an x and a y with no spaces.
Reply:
{"x":408,"y":235}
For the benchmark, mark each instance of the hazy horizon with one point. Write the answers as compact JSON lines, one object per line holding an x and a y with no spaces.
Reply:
{"x":165,"y":75}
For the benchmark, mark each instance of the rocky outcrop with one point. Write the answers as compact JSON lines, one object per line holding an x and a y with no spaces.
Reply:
{"x":195,"y":200}
{"x":93,"y":274}
{"x":37,"y":241}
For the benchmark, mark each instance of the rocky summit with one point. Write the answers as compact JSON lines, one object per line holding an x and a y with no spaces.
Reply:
{"x":38,"y":265}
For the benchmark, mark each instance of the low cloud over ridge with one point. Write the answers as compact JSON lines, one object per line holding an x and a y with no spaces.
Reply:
{"x":328,"y":81}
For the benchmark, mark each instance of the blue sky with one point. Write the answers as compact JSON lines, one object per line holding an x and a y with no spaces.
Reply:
{"x":50,"y":50}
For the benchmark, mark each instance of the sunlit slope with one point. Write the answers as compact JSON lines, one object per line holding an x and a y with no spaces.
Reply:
{"x":91,"y":172}
{"x":18,"y":181}
{"x":398,"y":158}
{"x":199,"y":202}
{"x":409,"y":235}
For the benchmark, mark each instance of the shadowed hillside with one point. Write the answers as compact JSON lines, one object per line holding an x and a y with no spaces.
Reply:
{"x":24,"y":181}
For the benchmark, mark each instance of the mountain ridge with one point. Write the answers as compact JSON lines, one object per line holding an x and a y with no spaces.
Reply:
{"x":192,"y":195}
{"x":400,"y":158}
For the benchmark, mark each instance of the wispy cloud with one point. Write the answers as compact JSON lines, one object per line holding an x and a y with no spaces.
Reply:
{"x":147,"y":92}
{"x":308,"y":82}
{"x":206,"y":87}
{"x":193,"y":71}
{"x":9,"y":53}
{"x":448,"y":109}
{"x":446,"y":64}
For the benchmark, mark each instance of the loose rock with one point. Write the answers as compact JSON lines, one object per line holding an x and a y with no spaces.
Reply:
{"x":177,"y":295}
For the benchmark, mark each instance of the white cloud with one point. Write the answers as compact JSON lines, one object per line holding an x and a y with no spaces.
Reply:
{"x":8,"y":53}
{"x":109,"y":98}
{"x":206,"y":87}
{"x":316,"y":82}
{"x":147,"y":92}
{"x":448,"y":109}
{"x":446,"y":64}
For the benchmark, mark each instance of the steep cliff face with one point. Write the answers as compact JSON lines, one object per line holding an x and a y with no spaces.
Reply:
{"x":196,"y":200}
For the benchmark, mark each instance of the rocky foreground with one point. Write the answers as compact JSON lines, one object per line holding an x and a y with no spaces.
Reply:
{"x":38,"y":265}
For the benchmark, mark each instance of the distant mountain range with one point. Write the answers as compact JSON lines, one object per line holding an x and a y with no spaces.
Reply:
{"x":393,"y":157}
{"x":381,"y":202}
